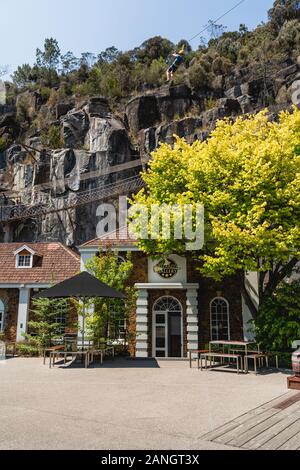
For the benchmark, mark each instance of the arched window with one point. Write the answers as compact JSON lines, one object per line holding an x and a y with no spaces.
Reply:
{"x":219,"y":320}
{"x":167,"y":304}
{"x":2,"y":311}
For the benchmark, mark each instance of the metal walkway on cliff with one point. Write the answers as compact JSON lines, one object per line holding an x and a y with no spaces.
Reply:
{"x":10,"y":213}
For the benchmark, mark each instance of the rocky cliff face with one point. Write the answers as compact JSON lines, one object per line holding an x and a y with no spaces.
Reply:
{"x":93,"y":140}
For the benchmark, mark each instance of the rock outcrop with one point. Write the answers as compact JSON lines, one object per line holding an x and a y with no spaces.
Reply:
{"x":165,"y":105}
{"x":95,"y":139}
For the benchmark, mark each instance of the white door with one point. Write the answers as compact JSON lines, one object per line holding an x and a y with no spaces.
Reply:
{"x":167,"y":328}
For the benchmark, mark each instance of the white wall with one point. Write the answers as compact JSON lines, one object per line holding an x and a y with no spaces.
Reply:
{"x":85,"y":256}
{"x":23,"y":311}
{"x":251,"y":284}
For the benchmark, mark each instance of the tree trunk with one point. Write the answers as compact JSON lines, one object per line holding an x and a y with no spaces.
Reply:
{"x":276,"y":277}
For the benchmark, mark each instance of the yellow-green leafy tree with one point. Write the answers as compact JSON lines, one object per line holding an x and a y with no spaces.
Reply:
{"x":247,"y":176}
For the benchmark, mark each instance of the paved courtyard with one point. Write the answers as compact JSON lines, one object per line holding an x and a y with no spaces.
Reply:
{"x":125,"y":405}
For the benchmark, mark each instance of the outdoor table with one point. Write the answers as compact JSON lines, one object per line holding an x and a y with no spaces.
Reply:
{"x":243,"y":344}
{"x":87,"y":355}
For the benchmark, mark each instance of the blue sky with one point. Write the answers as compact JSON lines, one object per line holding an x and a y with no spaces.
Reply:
{"x":93,"y":25}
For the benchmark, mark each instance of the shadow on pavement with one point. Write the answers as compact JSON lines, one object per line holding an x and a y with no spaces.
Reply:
{"x":113,"y":364}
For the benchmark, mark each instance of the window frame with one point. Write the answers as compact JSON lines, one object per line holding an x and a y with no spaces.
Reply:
{"x":20,"y":252}
{"x":61,"y":320}
{"x":29,"y":255}
{"x":121,"y":337}
{"x":228,"y":318}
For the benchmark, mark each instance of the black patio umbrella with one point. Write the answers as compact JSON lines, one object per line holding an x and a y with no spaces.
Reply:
{"x":82,"y":287}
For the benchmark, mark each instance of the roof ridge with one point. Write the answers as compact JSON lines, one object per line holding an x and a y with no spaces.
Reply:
{"x":31,"y":243}
{"x":105,"y":237}
{"x":21,"y":244}
{"x":89,"y":241}
{"x":70,"y":251}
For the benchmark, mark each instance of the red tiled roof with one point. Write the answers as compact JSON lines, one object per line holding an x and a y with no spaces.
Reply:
{"x":113,"y":239}
{"x":53,"y":263}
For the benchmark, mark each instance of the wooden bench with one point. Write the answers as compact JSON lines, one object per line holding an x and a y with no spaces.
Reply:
{"x":213,"y":355}
{"x":262,"y":355}
{"x":256,"y":358}
{"x":52,"y":349}
{"x":97,"y":352}
{"x":86,"y":355}
{"x":102,"y":352}
{"x":244,"y":355}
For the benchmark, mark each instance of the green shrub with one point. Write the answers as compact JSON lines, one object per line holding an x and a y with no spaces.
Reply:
{"x":155,"y":74}
{"x":284,"y":360}
{"x":289,"y":37}
{"x":5,"y":142}
{"x":22,"y":111}
{"x":53,"y":98}
{"x":45,"y":93}
{"x":44,"y":327}
{"x":27,"y":350}
{"x":180,"y":76}
{"x":282,"y":11}
{"x":221,"y":65}
{"x":210,"y":103}
{"x":199,"y":78}
{"x":110,"y":86}
{"x":52,"y":138}
{"x":278,"y":322}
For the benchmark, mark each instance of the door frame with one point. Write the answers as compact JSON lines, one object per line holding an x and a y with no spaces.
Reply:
{"x":166,"y":324}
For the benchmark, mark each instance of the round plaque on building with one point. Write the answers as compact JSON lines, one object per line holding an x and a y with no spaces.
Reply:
{"x":166,"y":268}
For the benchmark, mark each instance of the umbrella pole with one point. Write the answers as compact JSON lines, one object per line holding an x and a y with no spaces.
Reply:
{"x":83,"y":323}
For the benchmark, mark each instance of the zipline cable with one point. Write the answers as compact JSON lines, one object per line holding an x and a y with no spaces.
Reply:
{"x":218,"y":19}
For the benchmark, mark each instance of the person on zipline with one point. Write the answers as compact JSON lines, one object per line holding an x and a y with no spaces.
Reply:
{"x":179,"y":58}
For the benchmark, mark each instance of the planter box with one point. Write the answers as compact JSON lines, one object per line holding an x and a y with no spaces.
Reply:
{"x":294,"y":383}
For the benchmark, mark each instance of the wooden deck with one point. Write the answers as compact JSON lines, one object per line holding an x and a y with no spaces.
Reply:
{"x":273,"y":426}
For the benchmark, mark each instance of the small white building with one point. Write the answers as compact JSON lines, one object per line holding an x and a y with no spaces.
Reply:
{"x":24,"y":270}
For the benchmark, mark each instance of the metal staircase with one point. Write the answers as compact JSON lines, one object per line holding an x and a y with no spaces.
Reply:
{"x":10,"y":213}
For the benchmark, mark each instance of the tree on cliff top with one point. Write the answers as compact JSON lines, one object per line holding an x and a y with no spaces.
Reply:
{"x":282,"y":11}
{"x":49,"y":58}
{"x":247,"y":176}
{"x":153,"y":49}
